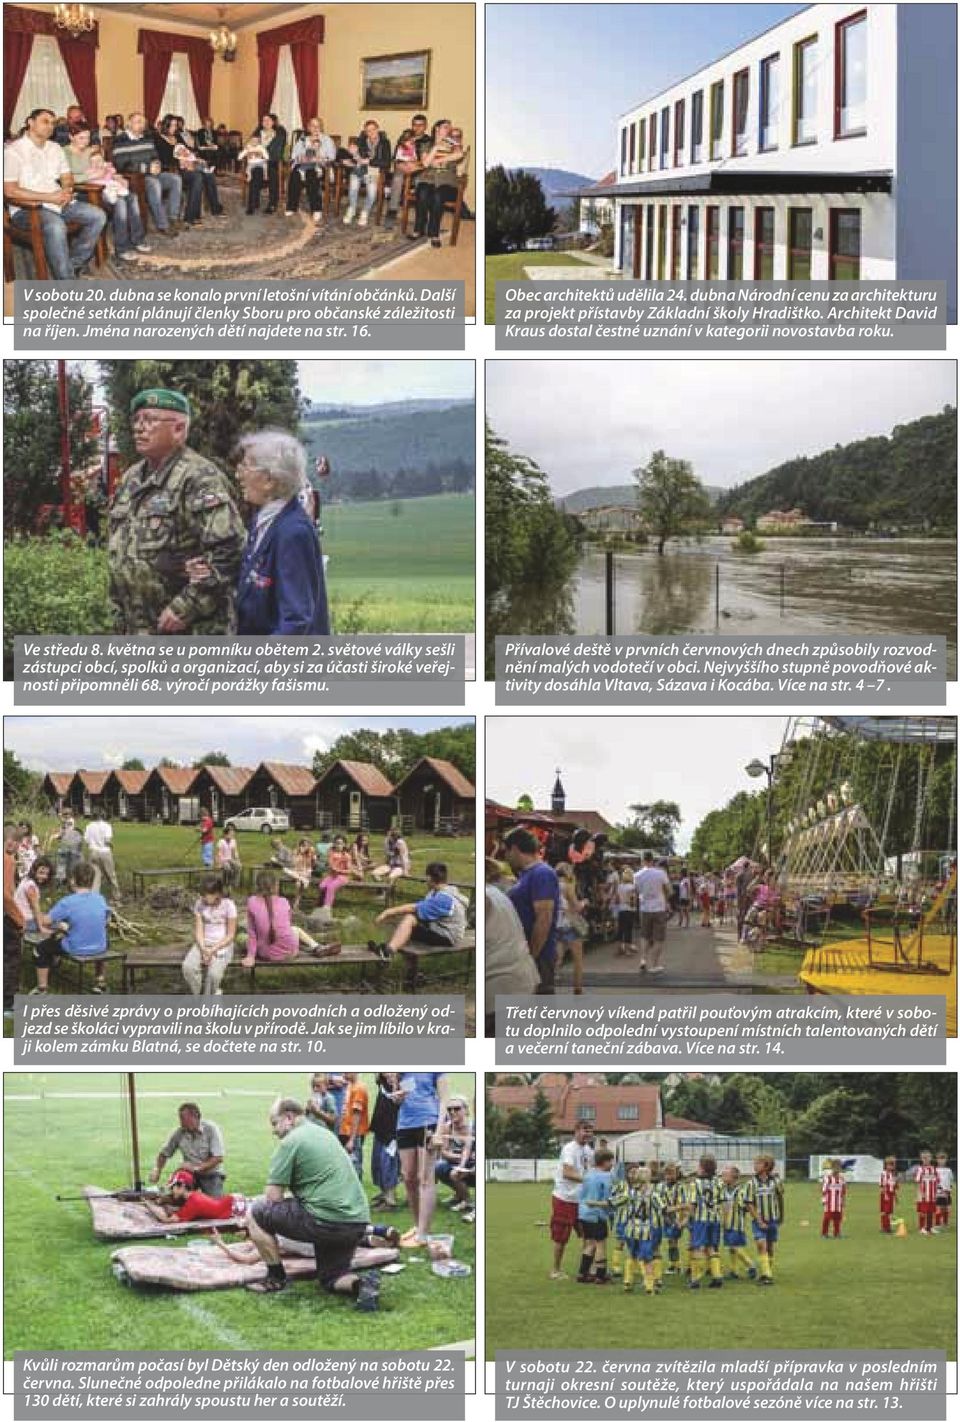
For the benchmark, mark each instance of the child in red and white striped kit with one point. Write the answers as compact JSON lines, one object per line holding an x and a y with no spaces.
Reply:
{"x":889,"y":1185}
{"x":927,"y":1182}
{"x":834,"y":1195}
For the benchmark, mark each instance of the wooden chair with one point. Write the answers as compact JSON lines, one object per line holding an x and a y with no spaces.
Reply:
{"x":454,"y":205}
{"x":94,"y":196}
{"x":29,"y":238}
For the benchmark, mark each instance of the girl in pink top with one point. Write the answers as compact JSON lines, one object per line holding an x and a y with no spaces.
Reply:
{"x":338,"y":871}
{"x":272,"y":935}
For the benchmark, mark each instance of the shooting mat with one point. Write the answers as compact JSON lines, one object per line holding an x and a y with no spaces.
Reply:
{"x":128,"y":1219}
{"x":202,"y":1265}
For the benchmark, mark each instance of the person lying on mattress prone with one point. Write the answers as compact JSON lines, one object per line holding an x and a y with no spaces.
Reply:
{"x":185,"y":1201}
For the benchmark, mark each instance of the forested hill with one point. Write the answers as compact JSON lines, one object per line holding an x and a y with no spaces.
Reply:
{"x":403,"y":449}
{"x":907,"y":478}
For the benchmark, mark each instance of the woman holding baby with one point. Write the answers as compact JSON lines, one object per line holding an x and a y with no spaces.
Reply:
{"x":91,"y":170}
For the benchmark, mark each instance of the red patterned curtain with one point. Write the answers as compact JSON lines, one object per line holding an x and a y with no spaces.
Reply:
{"x":201,"y":77}
{"x":80,"y":61}
{"x":306,"y":71}
{"x":303,"y":37}
{"x":269,"y":62}
{"x":16,"y":57}
{"x":157,"y":46}
{"x":79,"y":56}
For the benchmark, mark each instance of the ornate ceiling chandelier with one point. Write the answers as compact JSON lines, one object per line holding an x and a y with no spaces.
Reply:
{"x":76,"y":19}
{"x":222,"y":40}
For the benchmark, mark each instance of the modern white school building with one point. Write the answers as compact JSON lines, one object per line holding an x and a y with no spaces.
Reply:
{"x":823,"y":149}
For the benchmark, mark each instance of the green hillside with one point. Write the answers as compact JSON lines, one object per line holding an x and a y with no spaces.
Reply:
{"x":905,"y":479}
{"x":395,"y":451}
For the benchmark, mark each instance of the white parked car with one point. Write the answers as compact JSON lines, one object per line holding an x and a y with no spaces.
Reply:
{"x":260,"y":821}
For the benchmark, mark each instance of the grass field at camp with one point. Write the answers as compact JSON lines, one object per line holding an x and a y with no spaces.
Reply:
{"x":511,"y":266}
{"x":63,"y":1131}
{"x":866,"y":1290}
{"x":404,"y":565}
{"x":142,"y":846}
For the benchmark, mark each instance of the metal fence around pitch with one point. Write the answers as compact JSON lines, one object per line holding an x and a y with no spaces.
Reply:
{"x":610,"y":592}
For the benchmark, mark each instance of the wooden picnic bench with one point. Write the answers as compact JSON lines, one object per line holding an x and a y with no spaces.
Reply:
{"x":112,"y":955}
{"x":458,"y":963}
{"x":372,"y":974}
{"x":191,"y":875}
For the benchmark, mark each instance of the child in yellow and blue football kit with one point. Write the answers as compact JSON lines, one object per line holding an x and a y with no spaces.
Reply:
{"x":763,"y":1197}
{"x":671,"y":1199}
{"x":742,"y":1265}
{"x":642,"y":1233}
{"x":620,"y":1204}
{"x":703,"y":1208}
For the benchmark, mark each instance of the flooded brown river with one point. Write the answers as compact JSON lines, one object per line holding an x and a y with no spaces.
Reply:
{"x":856,"y":586}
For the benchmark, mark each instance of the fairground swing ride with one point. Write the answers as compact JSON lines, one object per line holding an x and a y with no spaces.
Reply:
{"x":866,"y":873}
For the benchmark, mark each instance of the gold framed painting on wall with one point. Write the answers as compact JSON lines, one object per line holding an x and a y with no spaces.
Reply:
{"x":395,"y":81}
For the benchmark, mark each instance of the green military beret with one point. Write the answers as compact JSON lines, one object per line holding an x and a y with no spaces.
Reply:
{"x":161,"y":400}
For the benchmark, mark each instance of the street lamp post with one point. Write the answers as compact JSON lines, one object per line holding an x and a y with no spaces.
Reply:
{"x":755,"y":769}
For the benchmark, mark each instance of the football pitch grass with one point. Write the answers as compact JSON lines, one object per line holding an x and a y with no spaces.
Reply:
{"x":66,"y":1130}
{"x":866,"y":1290}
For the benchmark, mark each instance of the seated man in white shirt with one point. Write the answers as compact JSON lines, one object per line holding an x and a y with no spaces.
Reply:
{"x":36,"y":172}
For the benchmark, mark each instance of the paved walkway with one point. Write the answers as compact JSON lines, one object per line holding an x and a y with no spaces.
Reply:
{"x":694,"y":959}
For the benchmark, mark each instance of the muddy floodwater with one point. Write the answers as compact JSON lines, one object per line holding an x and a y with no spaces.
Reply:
{"x":855,"y":586}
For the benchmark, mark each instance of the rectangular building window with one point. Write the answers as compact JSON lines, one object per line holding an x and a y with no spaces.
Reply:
{"x":623,"y":153}
{"x":844,"y":244}
{"x":850,"y":77}
{"x":799,"y":243}
{"x":652,"y":127}
{"x":628,"y":1111}
{"x":675,"y":242}
{"x":735,"y":244}
{"x":713,"y":243}
{"x":662,"y":242}
{"x":764,"y":233}
{"x":664,"y":136}
{"x":741,"y":103}
{"x":693,"y":243}
{"x":585,"y":1112}
{"x":696,"y":127}
{"x":716,"y":120}
{"x":641,"y":142}
{"x":679,"y":115}
{"x":769,"y":103}
{"x":633,"y":148}
{"x":805,"y":91}
{"x":648,"y":242}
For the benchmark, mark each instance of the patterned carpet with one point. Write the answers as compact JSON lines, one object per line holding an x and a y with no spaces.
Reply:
{"x":279,"y":248}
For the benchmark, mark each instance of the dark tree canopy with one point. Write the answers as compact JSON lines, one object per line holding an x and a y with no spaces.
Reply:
{"x":230,"y":398}
{"x":516,"y":208}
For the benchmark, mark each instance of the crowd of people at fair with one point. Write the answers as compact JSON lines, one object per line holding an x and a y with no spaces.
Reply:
{"x":564,"y":895}
{"x":53,"y":904}
{"x":128,"y":175}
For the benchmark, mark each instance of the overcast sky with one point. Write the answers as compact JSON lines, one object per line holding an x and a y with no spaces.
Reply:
{"x":610,"y":763}
{"x":593,"y":422}
{"x":559,"y":76}
{"x":373,"y":382}
{"x":105,"y":742}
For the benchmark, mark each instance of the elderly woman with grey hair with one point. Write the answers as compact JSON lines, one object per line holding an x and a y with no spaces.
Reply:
{"x":281,"y":590}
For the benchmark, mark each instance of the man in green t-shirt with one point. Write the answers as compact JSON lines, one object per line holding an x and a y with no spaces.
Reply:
{"x":312,"y":1195}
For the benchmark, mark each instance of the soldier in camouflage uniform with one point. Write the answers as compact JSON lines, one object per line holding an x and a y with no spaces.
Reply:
{"x":171,"y":505}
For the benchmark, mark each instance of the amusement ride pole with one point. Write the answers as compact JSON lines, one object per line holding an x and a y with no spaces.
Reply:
{"x":134,"y":1130}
